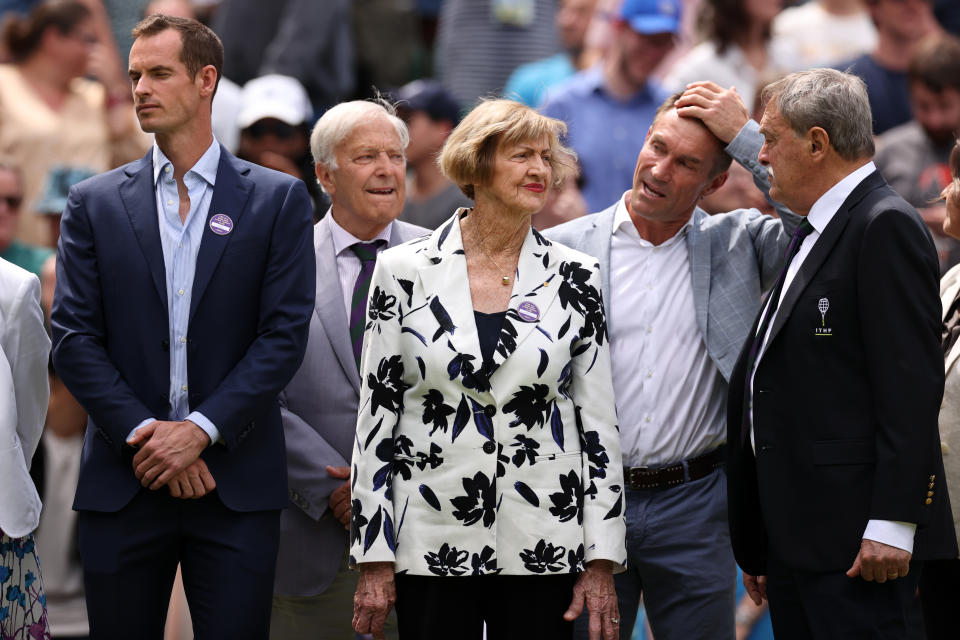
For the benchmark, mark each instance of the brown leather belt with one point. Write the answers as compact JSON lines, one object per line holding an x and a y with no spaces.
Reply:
{"x":671,"y":476}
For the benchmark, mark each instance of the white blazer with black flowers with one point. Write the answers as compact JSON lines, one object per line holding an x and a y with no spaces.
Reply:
{"x":465,"y":469}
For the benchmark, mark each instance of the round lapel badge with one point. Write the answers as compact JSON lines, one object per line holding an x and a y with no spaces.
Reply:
{"x":221,"y":224}
{"x":528,"y":312}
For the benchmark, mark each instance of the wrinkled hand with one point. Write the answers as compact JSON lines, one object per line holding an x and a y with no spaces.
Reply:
{"x":375,"y":595}
{"x":880,"y":562}
{"x":721,"y":110}
{"x":166,"y":449}
{"x":193,"y":482}
{"x":340,"y":498}
{"x":595,"y":588}
{"x":756,"y":587}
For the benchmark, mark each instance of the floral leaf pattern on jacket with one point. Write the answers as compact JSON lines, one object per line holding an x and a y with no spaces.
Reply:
{"x":470,"y":466}
{"x":479,"y":502}
{"x":544,"y":558}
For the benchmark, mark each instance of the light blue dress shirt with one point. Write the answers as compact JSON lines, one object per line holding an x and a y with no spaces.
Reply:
{"x":181,"y":243}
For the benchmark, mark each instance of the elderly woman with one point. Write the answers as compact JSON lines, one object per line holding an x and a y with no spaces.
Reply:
{"x":487,"y":478}
{"x":940,"y":579}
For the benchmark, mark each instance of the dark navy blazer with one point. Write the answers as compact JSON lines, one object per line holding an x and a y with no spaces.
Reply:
{"x":253,"y":294}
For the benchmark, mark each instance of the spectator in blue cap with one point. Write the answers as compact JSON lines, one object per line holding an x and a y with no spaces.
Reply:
{"x":431,"y":113}
{"x":609,"y":107}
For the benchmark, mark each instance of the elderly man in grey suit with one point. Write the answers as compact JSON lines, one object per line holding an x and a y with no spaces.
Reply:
{"x":681,"y":289}
{"x":358,"y":148}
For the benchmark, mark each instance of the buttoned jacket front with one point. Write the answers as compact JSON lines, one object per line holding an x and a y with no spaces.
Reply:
{"x":462,"y":467}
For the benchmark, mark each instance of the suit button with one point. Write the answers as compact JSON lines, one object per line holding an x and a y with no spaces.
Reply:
{"x":489,"y":447}
{"x":929,"y":494}
{"x":930,"y":486}
{"x":928,"y":501}
{"x":490,"y":410}
{"x":932,"y":478}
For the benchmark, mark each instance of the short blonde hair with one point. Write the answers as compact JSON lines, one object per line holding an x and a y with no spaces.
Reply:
{"x":468,"y":155}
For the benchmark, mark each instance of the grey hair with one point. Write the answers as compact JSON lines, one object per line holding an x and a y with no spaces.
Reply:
{"x":833,"y":100}
{"x":339,"y":121}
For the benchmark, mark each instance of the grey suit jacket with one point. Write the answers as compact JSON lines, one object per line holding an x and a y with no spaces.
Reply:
{"x":319,"y":411}
{"x":734,"y":257}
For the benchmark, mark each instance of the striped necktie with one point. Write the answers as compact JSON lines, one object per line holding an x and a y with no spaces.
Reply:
{"x":367,"y":253}
{"x":803,"y":230}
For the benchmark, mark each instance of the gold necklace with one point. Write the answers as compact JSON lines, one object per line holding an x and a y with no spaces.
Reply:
{"x":504,"y":280}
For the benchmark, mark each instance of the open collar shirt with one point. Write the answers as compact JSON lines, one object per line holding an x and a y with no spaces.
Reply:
{"x":670,"y":396}
{"x":180,"y":242}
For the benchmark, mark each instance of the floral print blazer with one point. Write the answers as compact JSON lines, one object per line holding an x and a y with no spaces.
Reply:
{"x":466,"y":468}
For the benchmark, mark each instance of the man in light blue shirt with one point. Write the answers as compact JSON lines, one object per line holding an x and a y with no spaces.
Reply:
{"x":185,"y":286}
{"x":609,"y":107}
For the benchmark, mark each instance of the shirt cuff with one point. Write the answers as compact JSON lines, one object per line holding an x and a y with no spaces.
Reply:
{"x":208,"y":427}
{"x":892,"y":533}
{"x":139,"y":426}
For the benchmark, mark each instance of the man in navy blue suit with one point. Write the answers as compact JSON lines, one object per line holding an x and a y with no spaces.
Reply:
{"x":185,"y":284}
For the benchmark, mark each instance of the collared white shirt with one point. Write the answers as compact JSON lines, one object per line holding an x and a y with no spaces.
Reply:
{"x":348,"y":264}
{"x":896,"y":534}
{"x":670,"y":396}
{"x":180,"y":242}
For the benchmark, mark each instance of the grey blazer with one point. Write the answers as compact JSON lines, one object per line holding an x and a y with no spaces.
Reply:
{"x":734,"y":257}
{"x":319,"y":412}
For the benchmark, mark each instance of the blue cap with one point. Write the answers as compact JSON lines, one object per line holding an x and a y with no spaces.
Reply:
{"x":651,"y":16}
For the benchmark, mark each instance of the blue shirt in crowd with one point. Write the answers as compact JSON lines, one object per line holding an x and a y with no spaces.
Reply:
{"x":529,"y":82}
{"x":606,"y":132}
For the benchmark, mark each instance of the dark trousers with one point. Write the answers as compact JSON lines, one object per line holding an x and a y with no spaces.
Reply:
{"x":940,"y":597}
{"x":130,"y":560}
{"x":513,"y":607}
{"x":831,"y":606}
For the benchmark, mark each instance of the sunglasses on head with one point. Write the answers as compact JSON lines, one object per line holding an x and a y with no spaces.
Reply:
{"x":276,"y":128}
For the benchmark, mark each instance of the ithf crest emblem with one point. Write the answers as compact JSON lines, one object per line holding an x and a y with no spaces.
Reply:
{"x":823,"y":305}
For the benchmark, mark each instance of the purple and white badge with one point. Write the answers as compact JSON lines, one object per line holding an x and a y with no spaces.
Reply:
{"x":221,"y":224}
{"x":528,"y":312}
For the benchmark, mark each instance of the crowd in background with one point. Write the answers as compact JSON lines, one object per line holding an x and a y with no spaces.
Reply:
{"x":66,"y":113}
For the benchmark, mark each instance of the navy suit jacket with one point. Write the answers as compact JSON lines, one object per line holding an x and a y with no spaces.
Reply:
{"x":253,"y":295}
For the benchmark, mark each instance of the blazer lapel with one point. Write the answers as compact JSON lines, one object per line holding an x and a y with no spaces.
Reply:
{"x":329,"y":301}
{"x":229,"y":197}
{"x":534,"y":290}
{"x":445,"y":285}
{"x":597,"y":244}
{"x":139,"y":199}
{"x":698,"y":251}
{"x":821,"y":249}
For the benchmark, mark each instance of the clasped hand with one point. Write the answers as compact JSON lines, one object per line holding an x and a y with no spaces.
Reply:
{"x":170,"y":455}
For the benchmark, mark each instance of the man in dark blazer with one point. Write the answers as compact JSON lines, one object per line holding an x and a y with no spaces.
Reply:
{"x":185,"y":288}
{"x":834,"y":471}
{"x":313,"y":592}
